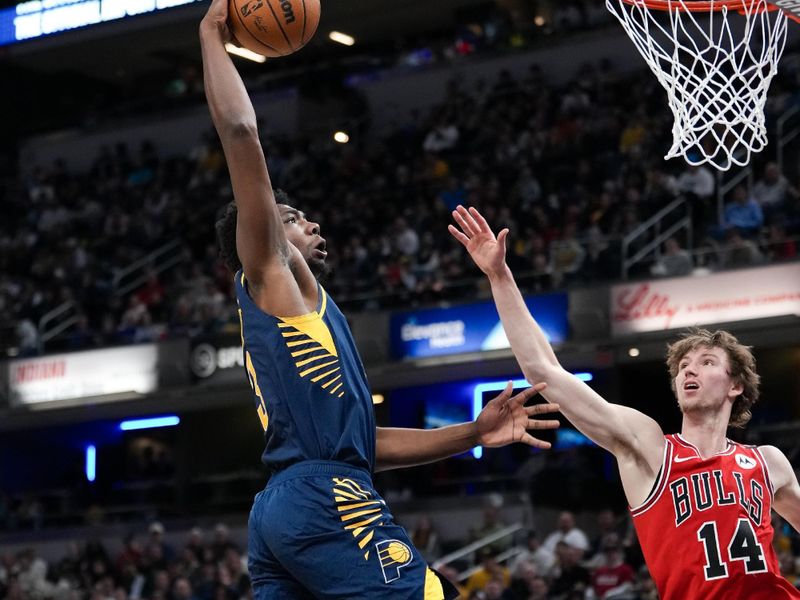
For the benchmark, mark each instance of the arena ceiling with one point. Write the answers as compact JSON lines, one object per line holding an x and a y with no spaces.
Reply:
{"x":133,"y":47}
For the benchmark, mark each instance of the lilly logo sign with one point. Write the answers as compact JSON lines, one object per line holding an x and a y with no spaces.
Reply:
{"x":719,"y":298}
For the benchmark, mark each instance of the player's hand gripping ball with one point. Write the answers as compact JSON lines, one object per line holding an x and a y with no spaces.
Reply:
{"x":273,"y":27}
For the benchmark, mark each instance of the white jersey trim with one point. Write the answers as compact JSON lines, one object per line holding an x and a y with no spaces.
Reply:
{"x":765,"y":470}
{"x":660,"y":484}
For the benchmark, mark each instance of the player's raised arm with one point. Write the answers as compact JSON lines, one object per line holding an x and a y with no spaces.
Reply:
{"x":784,"y":480}
{"x":628,"y":434}
{"x":260,"y":238}
{"x":504,"y":420}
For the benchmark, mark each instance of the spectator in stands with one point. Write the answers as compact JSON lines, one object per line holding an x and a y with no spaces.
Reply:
{"x":567,"y":256}
{"x":196,"y":544}
{"x":569,"y":576}
{"x":773,"y":190}
{"x":779,"y":246}
{"x":182,"y":590}
{"x":697,"y":184}
{"x":489,"y":570}
{"x":743,"y":212}
{"x":492,"y":523}
{"x":425,"y":539}
{"x":613,"y":577}
{"x":156,"y":541}
{"x":738,"y":251}
{"x":674,"y":261}
{"x":222,"y":541}
{"x":534,"y":552}
{"x":569,"y":533}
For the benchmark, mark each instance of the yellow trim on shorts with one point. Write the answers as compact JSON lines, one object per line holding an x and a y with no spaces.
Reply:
{"x":433,"y":587}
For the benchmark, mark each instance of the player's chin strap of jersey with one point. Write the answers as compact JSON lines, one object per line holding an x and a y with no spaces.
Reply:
{"x":450,"y":591}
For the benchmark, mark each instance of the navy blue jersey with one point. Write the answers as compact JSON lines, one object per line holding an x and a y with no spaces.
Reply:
{"x":310,"y":388}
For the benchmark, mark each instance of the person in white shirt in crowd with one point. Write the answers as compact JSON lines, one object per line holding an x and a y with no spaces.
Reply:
{"x":567,"y":532}
{"x":674,"y":262}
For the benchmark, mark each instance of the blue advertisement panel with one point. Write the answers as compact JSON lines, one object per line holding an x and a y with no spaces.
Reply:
{"x":469,"y":327}
{"x":37,"y":18}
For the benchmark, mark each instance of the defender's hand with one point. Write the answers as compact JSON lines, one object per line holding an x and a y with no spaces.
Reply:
{"x":505,"y":420}
{"x":488,"y":251}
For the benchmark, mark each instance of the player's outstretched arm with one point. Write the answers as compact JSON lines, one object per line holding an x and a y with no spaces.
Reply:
{"x":784,"y":480}
{"x":260,"y":238}
{"x":504,"y":420}
{"x":623,"y":431}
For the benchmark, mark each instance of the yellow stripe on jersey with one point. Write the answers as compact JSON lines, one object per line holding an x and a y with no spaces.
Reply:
{"x":327,"y":383}
{"x":342,"y":507}
{"x":306,"y":351}
{"x":324,"y":375}
{"x":302,"y":363}
{"x":365,"y":540}
{"x":315,"y":328}
{"x":362,"y":523}
{"x":301,"y":331}
{"x":360,"y":513}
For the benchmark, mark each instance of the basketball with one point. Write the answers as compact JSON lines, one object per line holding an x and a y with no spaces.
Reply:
{"x":398,"y":552}
{"x":273,"y":27}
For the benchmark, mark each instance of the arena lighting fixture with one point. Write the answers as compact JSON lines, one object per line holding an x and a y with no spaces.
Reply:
{"x":245,"y":53}
{"x":633,"y":352}
{"x":91,"y":462}
{"x":377,"y":398}
{"x":341,"y":137}
{"x":341,"y":38}
{"x":150,"y":423}
{"x":496,"y":386}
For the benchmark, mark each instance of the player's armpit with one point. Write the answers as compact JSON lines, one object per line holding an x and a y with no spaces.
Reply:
{"x":784,"y":482}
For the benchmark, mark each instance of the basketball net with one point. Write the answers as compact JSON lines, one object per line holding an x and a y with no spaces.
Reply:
{"x":716,"y":60}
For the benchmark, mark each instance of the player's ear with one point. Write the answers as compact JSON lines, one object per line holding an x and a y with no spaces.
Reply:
{"x":736,"y":388}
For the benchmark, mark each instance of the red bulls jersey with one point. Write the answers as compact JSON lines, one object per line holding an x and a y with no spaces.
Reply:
{"x":705,"y":529}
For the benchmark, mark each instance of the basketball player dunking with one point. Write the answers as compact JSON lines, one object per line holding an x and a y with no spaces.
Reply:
{"x":319,"y":529}
{"x":701,"y":503}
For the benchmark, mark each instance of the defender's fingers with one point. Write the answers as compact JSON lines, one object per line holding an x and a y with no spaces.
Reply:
{"x":527,"y":438}
{"x":525,"y":395}
{"x":468,"y":229}
{"x":458,"y":235}
{"x":465,"y":214}
{"x":506,"y":393}
{"x":540,"y":424}
{"x":475,"y":214}
{"x":501,"y":238}
{"x":541,"y":409}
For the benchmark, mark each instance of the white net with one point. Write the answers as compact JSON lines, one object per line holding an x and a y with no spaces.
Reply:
{"x":716,"y":66}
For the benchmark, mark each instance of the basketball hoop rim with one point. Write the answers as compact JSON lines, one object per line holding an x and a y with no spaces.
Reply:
{"x":700,"y":6}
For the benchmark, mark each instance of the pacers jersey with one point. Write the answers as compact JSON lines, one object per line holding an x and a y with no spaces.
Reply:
{"x":705,"y":529}
{"x":310,"y":388}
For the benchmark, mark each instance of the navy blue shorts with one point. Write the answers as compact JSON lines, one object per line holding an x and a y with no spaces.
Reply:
{"x":320,"y":530}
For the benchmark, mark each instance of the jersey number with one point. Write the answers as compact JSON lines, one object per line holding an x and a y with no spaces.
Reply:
{"x":744,"y":546}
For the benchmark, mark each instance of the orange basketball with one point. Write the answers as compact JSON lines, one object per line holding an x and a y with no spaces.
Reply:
{"x":273,"y":27}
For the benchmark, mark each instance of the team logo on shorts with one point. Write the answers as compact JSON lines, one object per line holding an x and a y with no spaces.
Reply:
{"x":745,"y":461}
{"x":393,"y":555}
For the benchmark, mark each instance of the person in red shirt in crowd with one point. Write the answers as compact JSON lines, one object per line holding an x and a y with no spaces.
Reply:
{"x":613,"y":577}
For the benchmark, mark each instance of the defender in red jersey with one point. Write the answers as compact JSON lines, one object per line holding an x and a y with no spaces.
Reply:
{"x":700,"y":503}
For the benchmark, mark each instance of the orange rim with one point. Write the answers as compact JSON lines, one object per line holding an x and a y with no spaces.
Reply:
{"x":700,"y":5}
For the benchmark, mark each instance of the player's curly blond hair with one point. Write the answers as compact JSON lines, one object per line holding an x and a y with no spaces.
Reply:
{"x":740,"y":359}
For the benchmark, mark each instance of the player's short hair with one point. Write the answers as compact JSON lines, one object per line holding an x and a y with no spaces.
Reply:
{"x":226,"y":231}
{"x":741,"y":361}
